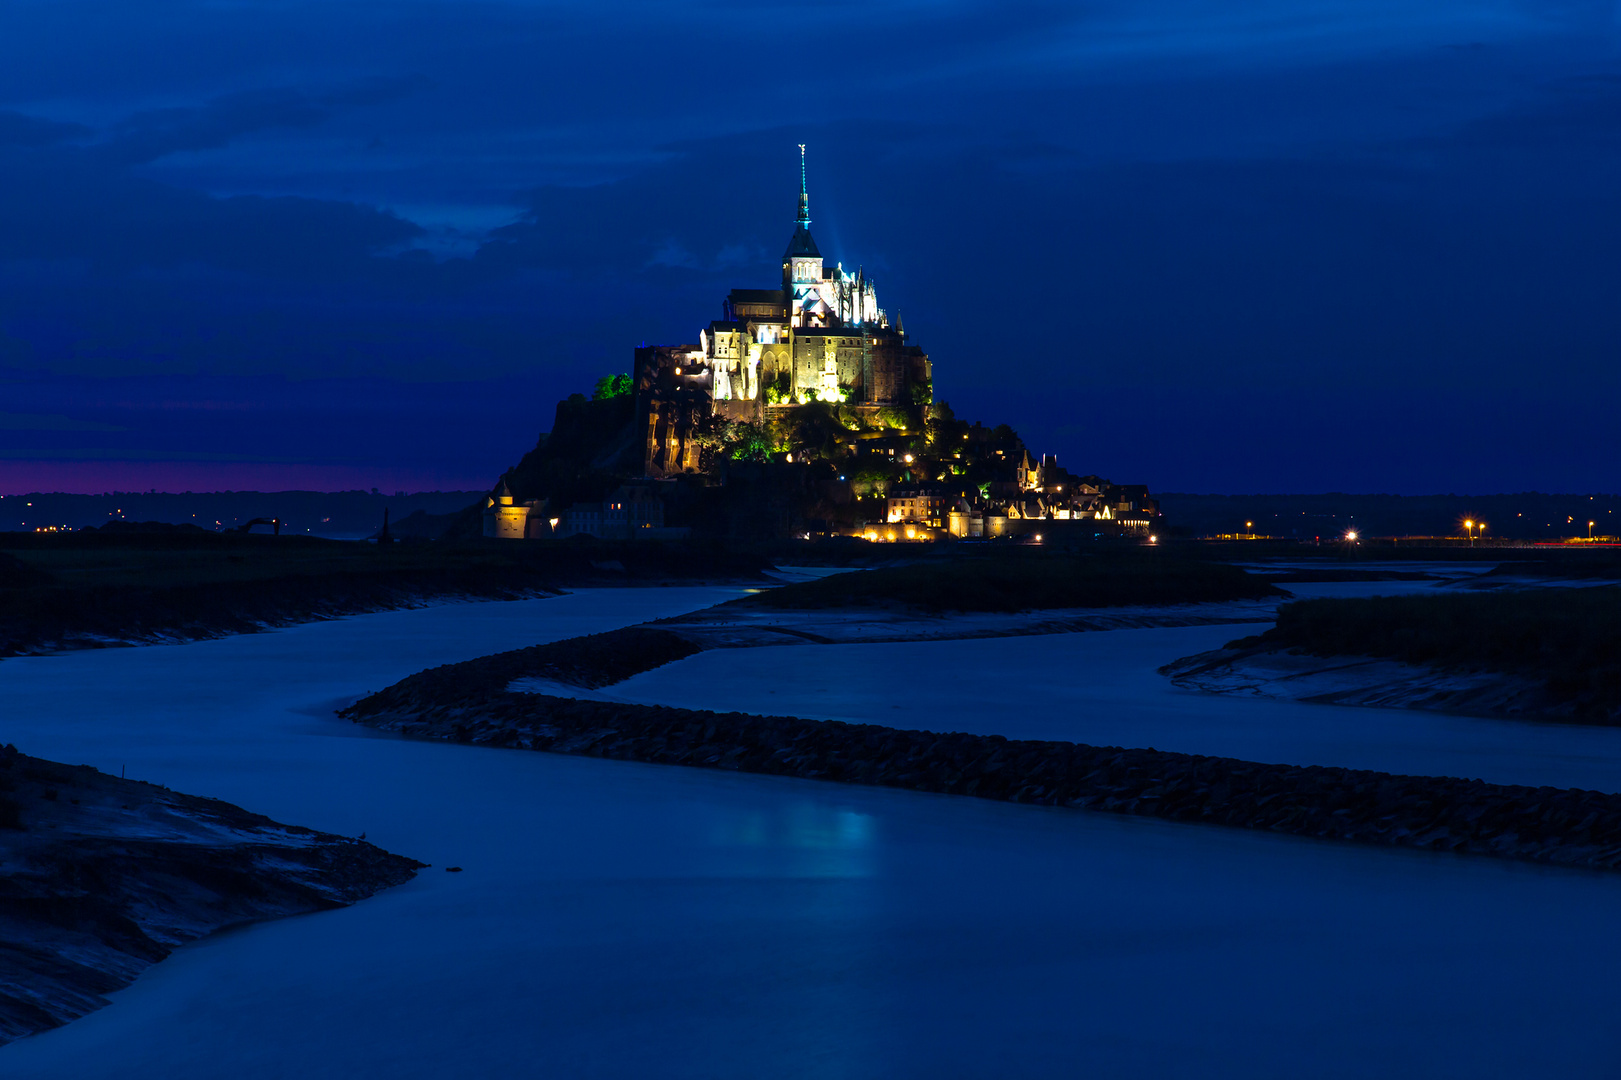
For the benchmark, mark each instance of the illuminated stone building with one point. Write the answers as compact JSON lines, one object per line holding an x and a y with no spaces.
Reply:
{"x":820,"y":337}
{"x":505,"y":518}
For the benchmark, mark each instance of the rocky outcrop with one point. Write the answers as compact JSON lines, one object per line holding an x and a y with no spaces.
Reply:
{"x":101,"y":877}
{"x":1573,"y":828}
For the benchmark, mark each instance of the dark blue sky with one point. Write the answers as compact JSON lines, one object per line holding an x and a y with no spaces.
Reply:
{"x":1368,"y":245}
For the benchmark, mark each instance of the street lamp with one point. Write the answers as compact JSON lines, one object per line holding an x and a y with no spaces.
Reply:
{"x":1469,"y":526}
{"x":1590,"y":530}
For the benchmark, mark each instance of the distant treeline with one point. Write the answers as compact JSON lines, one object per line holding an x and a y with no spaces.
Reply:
{"x":307,"y":513}
{"x":1525,"y":516}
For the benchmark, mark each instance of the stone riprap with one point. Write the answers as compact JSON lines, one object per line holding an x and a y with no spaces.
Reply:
{"x":1566,"y":827}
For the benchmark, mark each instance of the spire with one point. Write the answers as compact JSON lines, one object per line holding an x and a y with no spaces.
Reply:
{"x":804,"y":197}
{"x":801,"y":244}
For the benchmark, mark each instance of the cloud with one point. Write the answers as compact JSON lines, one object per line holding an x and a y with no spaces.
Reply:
{"x":69,"y":203}
{"x":156,"y":133}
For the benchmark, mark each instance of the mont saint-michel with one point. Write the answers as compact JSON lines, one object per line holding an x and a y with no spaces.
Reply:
{"x":803,"y":410}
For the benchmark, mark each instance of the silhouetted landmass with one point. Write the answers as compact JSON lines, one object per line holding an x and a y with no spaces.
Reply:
{"x":1574,"y":828}
{"x":1568,"y":637}
{"x":591,"y":448}
{"x":106,"y":876}
{"x":313,"y":513}
{"x":1016,"y":581}
{"x":91,"y":589}
{"x":1524,"y":516}
{"x":1593,"y":564}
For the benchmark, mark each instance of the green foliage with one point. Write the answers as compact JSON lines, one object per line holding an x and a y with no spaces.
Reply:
{"x":744,"y":441}
{"x":868,"y":481}
{"x":1015,"y":582}
{"x":815,"y":430}
{"x":922,"y":392}
{"x":612,"y":386}
{"x":1570,"y":637}
{"x":899,"y":419}
{"x":945,"y":434}
{"x":779,"y":390}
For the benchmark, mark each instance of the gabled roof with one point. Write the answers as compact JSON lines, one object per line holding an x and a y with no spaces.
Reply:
{"x":800,"y":245}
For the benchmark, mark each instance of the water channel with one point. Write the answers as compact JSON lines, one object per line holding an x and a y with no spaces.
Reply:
{"x":623,"y":920}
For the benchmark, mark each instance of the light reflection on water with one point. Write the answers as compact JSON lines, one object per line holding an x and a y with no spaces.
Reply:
{"x":841,"y":840}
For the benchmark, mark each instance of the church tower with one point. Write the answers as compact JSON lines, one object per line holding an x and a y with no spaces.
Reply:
{"x":802,"y":262}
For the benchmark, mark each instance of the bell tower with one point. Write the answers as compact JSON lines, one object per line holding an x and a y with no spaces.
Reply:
{"x":802,"y":262}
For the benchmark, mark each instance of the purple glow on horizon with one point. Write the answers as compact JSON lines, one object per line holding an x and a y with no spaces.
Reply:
{"x":95,"y":477}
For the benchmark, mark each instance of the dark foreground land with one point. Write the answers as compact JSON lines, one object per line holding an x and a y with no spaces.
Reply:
{"x":1566,"y":639}
{"x":470,"y":703}
{"x":105,"y":877}
{"x":91,"y":590}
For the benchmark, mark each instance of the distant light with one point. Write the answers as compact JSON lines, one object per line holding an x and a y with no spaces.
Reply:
{"x":1153,"y":539}
{"x":1350,"y":534}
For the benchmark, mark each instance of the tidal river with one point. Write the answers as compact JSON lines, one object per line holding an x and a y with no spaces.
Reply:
{"x":625,"y":920}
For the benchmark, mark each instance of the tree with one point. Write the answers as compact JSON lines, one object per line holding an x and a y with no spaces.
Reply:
{"x":612,"y":386}
{"x":890,"y":416}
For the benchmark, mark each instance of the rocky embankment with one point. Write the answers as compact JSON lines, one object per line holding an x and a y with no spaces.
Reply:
{"x":101,"y":877}
{"x":470,"y":703}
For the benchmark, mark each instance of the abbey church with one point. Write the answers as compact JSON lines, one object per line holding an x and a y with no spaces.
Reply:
{"x":820,"y":337}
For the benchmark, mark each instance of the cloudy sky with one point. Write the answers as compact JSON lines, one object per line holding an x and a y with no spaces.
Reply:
{"x":1210,"y":245}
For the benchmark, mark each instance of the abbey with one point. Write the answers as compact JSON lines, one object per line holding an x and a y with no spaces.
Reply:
{"x":820,"y":337}
{"x":802,"y":411}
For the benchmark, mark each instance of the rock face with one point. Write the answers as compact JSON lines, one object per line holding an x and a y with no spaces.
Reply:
{"x":102,"y":877}
{"x":1574,"y":828}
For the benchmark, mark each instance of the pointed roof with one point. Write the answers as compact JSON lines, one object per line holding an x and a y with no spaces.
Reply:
{"x":800,"y":244}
